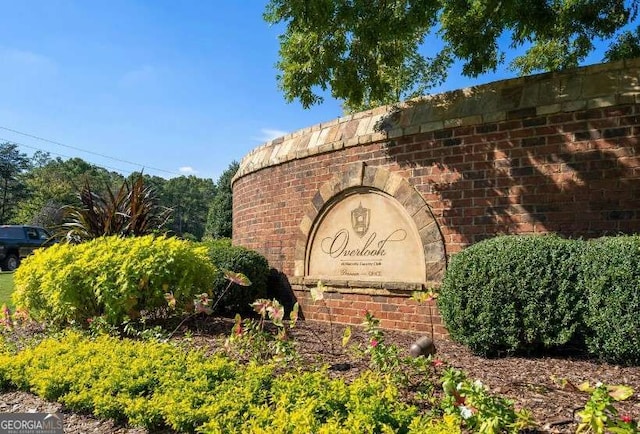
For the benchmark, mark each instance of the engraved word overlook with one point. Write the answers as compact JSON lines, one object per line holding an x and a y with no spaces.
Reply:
{"x":339,"y":244}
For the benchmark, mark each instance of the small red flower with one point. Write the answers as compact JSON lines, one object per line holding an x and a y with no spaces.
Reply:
{"x":374,"y":343}
{"x":89,"y":320}
{"x":437,"y":362}
{"x":626,"y":418}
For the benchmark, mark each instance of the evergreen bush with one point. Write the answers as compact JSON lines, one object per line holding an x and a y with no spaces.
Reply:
{"x":239,"y":260}
{"x":611,"y":279}
{"x":513,"y":294}
{"x":111,"y":277}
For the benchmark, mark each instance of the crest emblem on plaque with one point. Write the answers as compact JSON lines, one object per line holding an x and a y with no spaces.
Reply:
{"x":360,"y":218}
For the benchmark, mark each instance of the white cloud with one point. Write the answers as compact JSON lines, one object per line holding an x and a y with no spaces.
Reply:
{"x":187,"y":170}
{"x":268,"y":134}
{"x":26,"y":61}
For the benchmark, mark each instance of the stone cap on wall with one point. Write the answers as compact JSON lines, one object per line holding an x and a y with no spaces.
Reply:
{"x":596,"y":86}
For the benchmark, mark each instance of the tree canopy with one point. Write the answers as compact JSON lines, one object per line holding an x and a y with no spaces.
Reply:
{"x":220,"y":218}
{"x":369,"y":52}
{"x":12,"y":164}
{"x":37,"y":190}
{"x":53,"y":182}
{"x":190,"y":198}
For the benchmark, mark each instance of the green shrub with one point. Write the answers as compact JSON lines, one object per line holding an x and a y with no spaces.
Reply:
{"x":111,"y":277}
{"x":513,"y":294}
{"x":611,"y":278}
{"x":158,"y":385}
{"x":240,"y":260}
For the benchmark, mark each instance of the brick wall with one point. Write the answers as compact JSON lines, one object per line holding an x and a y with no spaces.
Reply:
{"x":548,"y":153}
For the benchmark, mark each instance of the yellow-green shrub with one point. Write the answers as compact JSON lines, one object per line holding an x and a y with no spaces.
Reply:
{"x":158,"y":385}
{"x":111,"y":277}
{"x":4,"y":357}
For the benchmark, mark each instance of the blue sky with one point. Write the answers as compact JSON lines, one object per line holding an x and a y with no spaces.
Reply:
{"x":175,"y":87}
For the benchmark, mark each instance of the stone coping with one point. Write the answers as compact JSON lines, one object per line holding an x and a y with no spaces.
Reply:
{"x":359,"y":287}
{"x":596,"y":86}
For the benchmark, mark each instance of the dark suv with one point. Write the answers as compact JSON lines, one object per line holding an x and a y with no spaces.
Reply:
{"x":17,"y":241}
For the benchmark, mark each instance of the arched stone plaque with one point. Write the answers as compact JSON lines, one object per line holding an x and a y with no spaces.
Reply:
{"x":366,"y":235}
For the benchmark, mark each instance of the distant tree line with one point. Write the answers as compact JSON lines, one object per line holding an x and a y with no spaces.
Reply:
{"x":35,"y":190}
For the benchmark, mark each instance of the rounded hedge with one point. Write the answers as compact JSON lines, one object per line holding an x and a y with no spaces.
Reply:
{"x":611,"y":280}
{"x":239,"y":260}
{"x":513,"y":294}
{"x":111,"y":277}
{"x":520,"y":293}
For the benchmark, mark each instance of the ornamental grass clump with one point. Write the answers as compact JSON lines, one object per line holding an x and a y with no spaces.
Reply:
{"x":133,"y":210}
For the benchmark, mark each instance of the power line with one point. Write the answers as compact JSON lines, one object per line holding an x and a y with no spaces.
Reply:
{"x":63,"y":155}
{"x":87,"y":151}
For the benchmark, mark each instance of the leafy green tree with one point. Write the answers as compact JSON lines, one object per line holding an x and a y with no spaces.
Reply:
{"x":368,"y":51}
{"x":627,"y":46}
{"x":54,"y":183}
{"x":189,"y":197}
{"x":156,"y":182}
{"x":220,"y":218}
{"x":49,"y":187}
{"x":12,"y":164}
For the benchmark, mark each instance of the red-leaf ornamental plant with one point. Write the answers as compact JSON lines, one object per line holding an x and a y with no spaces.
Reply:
{"x":131,"y":211}
{"x":249,"y":337}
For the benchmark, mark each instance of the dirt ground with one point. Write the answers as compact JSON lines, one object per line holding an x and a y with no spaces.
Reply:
{"x":533,"y":383}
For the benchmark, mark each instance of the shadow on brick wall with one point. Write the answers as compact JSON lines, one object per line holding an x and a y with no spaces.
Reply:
{"x":575,"y":174}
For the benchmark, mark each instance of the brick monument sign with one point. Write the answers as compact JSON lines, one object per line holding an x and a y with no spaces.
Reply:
{"x":373,"y":203}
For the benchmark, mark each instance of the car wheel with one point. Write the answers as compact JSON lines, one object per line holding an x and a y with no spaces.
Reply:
{"x":11,"y":262}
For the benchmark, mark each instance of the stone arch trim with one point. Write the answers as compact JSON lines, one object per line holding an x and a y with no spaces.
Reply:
{"x":361,"y":175}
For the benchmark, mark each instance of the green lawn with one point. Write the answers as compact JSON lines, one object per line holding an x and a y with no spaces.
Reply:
{"x":6,"y":289}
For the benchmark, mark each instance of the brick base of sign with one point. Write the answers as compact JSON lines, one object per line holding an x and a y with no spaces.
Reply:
{"x":395,"y":311}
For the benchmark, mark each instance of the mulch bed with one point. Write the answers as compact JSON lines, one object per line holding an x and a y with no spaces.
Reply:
{"x":535,"y":383}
